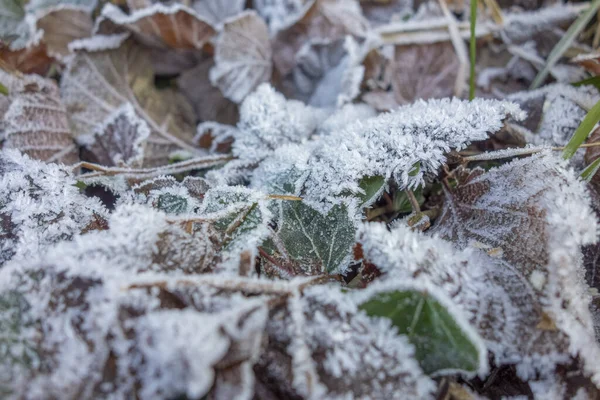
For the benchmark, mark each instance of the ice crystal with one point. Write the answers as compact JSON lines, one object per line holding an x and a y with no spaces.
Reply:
{"x":39,"y":206}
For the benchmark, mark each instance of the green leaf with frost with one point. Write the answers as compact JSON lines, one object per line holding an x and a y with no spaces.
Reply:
{"x":314,"y":239}
{"x":441,"y":342}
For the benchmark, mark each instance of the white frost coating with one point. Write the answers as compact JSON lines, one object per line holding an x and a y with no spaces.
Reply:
{"x":114,"y":13}
{"x":407,"y":145}
{"x":99,"y":42}
{"x":344,"y":116}
{"x":42,"y":205}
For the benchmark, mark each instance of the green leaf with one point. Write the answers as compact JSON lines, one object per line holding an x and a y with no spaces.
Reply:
{"x":402,"y":203}
{"x":593,"y":81}
{"x":314,"y":239}
{"x":242,"y":219}
{"x":440,"y":341}
{"x":565,"y":42}
{"x":416,"y":167}
{"x":3,"y":90}
{"x":588,"y":173}
{"x":583,"y":131}
{"x":172,"y":204}
{"x":373,"y":187}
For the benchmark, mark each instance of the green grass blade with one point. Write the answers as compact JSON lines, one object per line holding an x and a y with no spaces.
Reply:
{"x":589,"y":171}
{"x":593,"y":81}
{"x":472,"y":49}
{"x":583,"y":131}
{"x":564,"y":43}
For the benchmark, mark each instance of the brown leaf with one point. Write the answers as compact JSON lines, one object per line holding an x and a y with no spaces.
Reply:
{"x":36,"y":120}
{"x":324,"y":19}
{"x":97,"y":83}
{"x":242,"y":56}
{"x":31,"y":60}
{"x":174,"y":26}
{"x":119,"y":141}
{"x":590,"y":62}
{"x":207,"y":100}
{"x":63,"y":25}
{"x":424,"y":71}
{"x":380,"y":12}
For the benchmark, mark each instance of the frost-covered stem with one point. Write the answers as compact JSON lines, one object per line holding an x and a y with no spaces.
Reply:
{"x":413,"y":201}
{"x":184,"y":166}
{"x":283,"y":197}
{"x":507,"y":153}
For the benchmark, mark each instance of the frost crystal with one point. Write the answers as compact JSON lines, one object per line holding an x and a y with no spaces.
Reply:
{"x":407,"y":145}
{"x":39,"y":206}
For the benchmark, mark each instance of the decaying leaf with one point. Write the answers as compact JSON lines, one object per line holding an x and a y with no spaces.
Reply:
{"x":321,"y":19}
{"x":327,"y":73}
{"x":98,"y":82}
{"x":540,"y":231}
{"x":242,"y":56}
{"x":423,"y":72}
{"x":119,"y":141}
{"x":217,"y":11}
{"x":175,"y":26}
{"x":36,"y":121}
{"x":207,"y":100}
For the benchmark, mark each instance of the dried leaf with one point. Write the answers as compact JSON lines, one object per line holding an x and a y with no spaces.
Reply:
{"x":174,"y":26}
{"x":62,"y":25}
{"x":207,"y":100}
{"x":424,"y":71}
{"x":382,"y":12}
{"x":218,"y":11}
{"x":36,"y":120}
{"x":323,"y":19}
{"x":242,"y":56}
{"x":120,"y":140}
{"x":540,"y":230}
{"x":32,"y":60}
{"x":97,"y":83}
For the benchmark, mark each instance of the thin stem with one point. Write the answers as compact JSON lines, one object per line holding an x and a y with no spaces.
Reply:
{"x":414,"y":203}
{"x":284,"y":197}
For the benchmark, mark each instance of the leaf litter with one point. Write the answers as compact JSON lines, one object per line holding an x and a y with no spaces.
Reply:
{"x":295,"y":200}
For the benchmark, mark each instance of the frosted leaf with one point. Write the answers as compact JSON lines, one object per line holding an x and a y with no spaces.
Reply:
{"x":328,"y":73}
{"x":307,"y":242}
{"x":322,"y":19}
{"x":217,"y":137}
{"x":242,"y":56}
{"x":111,"y":337}
{"x":241,"y":219}
{"x":407,"y":145}
{"x":175,"y":26}
{"x":97,"y":83}
{"x":62,"y":25}
{"x":423,"y":71}
{"x":267,"y":122}
{"x":120,"y":140}
{"x":537,"y":234}
{"x":170,"y":196}
{"x":217,"y":11}
{"x":36,"y":120}
{"x":15,"y":28}
{"x":54,"y":24}
{"x":344,"y":116}
{"x":383,"y":12}
{"x":39,"y":206}
{"x":207,"y":100}
{"x":554,"y":113}
{"x":279,"y":14}
{"x":321,"y":346}
{"x":444,"y":341}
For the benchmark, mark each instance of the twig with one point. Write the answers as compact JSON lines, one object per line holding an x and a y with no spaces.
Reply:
{"x":414,"y":203}
{"x":184,"y":166}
